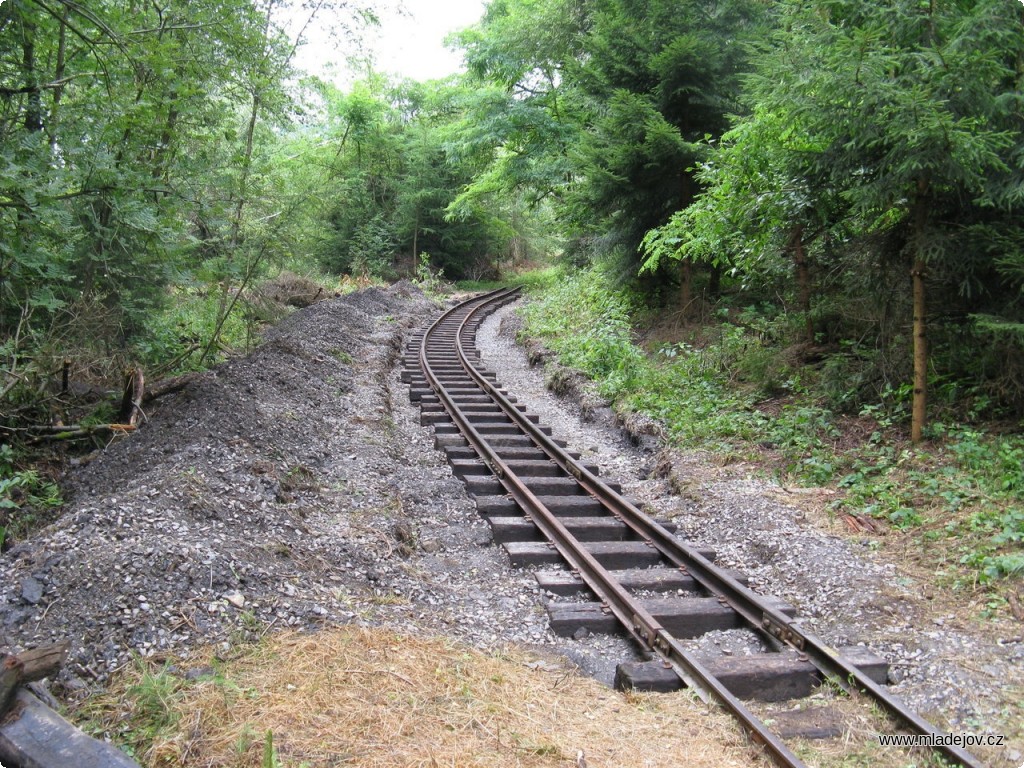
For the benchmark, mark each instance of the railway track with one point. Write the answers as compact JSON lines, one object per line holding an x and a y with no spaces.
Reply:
{"x":611,"y":567}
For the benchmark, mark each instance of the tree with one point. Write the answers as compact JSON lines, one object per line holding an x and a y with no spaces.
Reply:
{"x":602,"y":108}
{"x":396,"y":177}
{"x":521,"y":122}
{"x":763,"y":206}
{"x":663,"y":78}
{"x":132,"y":145}
{"x":895,"y":118}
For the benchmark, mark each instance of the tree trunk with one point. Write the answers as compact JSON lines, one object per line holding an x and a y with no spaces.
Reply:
{"x":686,"y":286}
{"x":920,"y":353}
{"x":53,"y":124}
{"x":803,"y":277}
{"x":415,"y":243}
{"x":34,"y":108}
{"x":715,"y":281}
{"x":689,"y":193}
{"x":917,"y":274}
{"x":243,"y":182}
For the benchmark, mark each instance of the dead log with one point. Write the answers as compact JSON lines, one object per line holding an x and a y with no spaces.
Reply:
{"x":34,"y":736}
{"x":169,"y":385}
{"x":28,"y":667}
{"x":43,"y":662}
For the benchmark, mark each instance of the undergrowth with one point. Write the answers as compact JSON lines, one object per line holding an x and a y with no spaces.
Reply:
{"x":959,"y":495}
{"x":26,"y":496}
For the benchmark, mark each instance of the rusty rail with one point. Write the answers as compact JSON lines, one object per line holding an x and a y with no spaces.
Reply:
{"x":758,"y":614}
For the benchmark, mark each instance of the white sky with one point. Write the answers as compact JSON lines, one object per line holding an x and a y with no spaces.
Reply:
{"x":409,"y":41}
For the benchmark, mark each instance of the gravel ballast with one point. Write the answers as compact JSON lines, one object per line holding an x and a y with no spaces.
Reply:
{"x":295,"y":487}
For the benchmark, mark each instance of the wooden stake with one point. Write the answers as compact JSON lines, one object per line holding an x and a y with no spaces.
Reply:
{"x":131,"y":402}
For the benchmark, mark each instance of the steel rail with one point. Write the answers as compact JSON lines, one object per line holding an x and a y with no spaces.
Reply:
{"x":637,"y":621}
{"x":752,"y":607}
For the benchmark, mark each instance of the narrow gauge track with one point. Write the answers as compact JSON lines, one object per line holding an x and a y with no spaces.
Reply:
{"x":530,"y":488}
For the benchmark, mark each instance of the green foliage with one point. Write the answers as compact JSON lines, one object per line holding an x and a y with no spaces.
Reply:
{"x":395,"y":177}
{"x":665,"y":84}
{"x":587,"y":322}
{"x":589,"y":326}
{"x":598,"y":112}
{"x":25,"y":496}
{"x":706,"y":395}
{"x":175,"y":335}
{"x":138,"y":151}
{"x":539,"y":279}
{"x":878,"y":133}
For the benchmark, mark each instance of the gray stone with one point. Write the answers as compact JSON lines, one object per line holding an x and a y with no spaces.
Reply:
{"x":31,"y":590}
{"x":198,"y":673}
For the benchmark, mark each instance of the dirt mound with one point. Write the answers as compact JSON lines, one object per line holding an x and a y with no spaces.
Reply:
{"x":292,"y":290}
{"x":220,"y":515}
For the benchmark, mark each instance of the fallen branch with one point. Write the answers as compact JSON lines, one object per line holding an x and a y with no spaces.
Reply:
{"x":170,"y":365}
{"x":859,"y":523}
{"x":77,"y":431}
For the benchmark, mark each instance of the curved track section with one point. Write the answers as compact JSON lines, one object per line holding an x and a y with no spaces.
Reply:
{"x":634,"y":576}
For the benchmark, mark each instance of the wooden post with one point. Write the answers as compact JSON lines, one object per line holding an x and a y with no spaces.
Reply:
{"x":10,"y":676}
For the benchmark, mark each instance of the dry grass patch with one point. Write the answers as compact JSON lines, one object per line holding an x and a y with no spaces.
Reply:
{"x":373,"y":698}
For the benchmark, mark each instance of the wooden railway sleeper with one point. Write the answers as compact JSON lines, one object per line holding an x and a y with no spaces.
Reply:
{"x":745,"y":602}
{"x":759,"y":614}
{"x":641,"y":625}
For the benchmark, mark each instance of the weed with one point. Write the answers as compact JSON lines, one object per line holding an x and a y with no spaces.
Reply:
{"x":152,"y":706}
{"x":431,"y":282}
{"x":245,"y":740}
{"x":341,"y":356}
{"x":269,"y":753}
